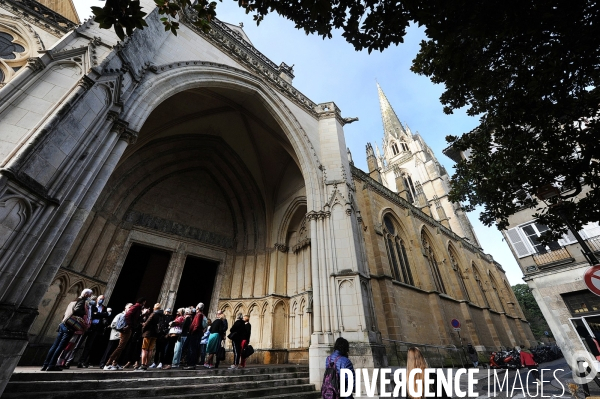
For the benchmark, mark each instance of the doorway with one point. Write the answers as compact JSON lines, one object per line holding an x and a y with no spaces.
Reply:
{"x":142,"y":275}
{"x":197,"y":283}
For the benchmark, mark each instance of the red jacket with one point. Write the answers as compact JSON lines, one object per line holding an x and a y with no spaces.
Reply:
{"x":527,"y":359}
{"x":196,"y":327}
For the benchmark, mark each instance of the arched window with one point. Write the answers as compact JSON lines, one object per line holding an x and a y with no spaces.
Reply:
{"x":497,"y":292}
{"x":459,"y":277}
{"x":395,"y":149}
{"x":404,"y":146}
{"x":433,"y":265}
{"x":480,"y":285}
{"x":410,"y":187}
{"x":396,"y":252}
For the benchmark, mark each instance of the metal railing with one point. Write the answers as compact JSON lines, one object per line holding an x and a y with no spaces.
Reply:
{"x":594,"y":243}
{"x":437,"y":356}
{"x":552,"y":257}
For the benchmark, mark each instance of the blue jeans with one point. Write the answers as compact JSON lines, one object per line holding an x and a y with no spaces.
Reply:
{"x":202,"y":353}
{"x":178,"y":350}
{"x":62,"y":339}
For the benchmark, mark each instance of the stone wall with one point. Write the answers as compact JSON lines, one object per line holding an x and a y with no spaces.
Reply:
{"x":400,"y":312}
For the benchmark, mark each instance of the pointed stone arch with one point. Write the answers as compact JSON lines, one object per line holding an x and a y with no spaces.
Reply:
{"x":432,"y":256}
{"x":480,"y":283}
{"x":455,"y":263}
{"x":397,"y":248}
{"x":194,"y":74}
{"x":279,"y":325}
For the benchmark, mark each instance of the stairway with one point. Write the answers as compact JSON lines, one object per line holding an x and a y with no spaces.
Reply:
{"x":253,"y":382}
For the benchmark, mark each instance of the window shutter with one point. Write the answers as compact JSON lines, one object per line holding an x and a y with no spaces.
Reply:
{"x":567,"y":239}
{"x":519,"y":243}
{"x":590,"y":230}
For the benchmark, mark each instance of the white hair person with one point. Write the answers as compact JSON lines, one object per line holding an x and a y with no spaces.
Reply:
{"x":86,"y":292}
{"x":200,"y":306}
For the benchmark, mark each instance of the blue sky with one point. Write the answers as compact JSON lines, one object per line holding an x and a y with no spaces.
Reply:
{"x":331,"y":70}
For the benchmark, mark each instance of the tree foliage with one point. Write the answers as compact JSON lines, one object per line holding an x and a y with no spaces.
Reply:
{"x":531,"y":71}
{"x":528,"y":68}
{"x":532,"y":311}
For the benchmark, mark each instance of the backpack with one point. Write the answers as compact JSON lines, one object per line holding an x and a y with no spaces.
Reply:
{"x":121,"y":323}
{"x":330,"y":389}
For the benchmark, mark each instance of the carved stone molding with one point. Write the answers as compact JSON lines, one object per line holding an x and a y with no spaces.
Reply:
{"x":86,"y":82}
{"x":301,"y":244}
{"x":230,"y":42}
{"x":282,"y":247}
{"x":318,"y":215}
{"x":35,"y":64}
{"x":130,"y":136}
{"x":119,"y":126}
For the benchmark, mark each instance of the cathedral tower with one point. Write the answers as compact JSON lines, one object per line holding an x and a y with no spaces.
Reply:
{"x":409,"y":167}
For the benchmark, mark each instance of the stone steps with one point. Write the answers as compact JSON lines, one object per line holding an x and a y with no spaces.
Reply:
{"x":134,"y":380}
{"x":255,"y":382}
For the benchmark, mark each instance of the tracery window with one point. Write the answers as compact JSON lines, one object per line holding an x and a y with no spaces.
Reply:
{"x":433,"y":264}
{"x":459,"y":277}
{"x":396,"y":252}
{"x":480,"y":285}
{"x":404,"y":146}
{"x":8,"y":48}
{"x":411,"y":192}
{"x":13,"y":54}
{"x":497,"y":292}
{"x":395,"y":149}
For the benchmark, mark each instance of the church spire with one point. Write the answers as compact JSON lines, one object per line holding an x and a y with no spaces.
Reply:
{"x":391,"y":124}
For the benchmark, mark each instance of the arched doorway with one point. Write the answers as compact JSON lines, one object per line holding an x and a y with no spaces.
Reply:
{"x":210,"y":182}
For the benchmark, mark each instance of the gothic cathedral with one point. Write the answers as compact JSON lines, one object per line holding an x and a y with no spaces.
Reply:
{"x":189,"y":168}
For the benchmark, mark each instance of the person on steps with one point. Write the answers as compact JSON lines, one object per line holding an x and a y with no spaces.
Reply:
{"x":236,"y":335}
{"x":196,"y":331}
{"x":150,"y":330}
{"x":132,"y":317}
{"x":115,"y":336}
{"x":76,"y":308}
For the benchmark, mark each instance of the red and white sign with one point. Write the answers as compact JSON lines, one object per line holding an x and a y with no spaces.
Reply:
{"x":592,"y":279}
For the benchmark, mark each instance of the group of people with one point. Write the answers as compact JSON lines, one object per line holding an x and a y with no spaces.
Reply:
{"x":140,"y":336}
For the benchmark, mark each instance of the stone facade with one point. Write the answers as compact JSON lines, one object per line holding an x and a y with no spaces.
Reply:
{"x":163,"y":162}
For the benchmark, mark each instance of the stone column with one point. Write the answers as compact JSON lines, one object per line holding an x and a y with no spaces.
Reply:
{"x":335,"y":246}
{"x":168,"y":291}
{"x":314,"y":267}
{"x":36,"y":257}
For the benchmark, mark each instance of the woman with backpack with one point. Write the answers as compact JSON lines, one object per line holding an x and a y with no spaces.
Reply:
{"x":334,"y":363}
{"x":115,"y":336}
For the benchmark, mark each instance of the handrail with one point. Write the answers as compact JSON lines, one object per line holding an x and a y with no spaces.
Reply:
{"x":416,"y":344}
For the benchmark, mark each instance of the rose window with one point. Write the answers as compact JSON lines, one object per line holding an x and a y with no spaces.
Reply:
{"x":8,"y":48}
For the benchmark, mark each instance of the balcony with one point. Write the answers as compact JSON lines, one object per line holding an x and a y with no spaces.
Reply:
{"x":554,"y":258}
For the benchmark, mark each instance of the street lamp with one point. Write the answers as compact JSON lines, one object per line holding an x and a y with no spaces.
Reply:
{"x":547,"y":192}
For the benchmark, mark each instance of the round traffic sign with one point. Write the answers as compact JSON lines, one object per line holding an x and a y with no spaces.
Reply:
{"x":592,"y":279}
{"x":456,"y":324}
